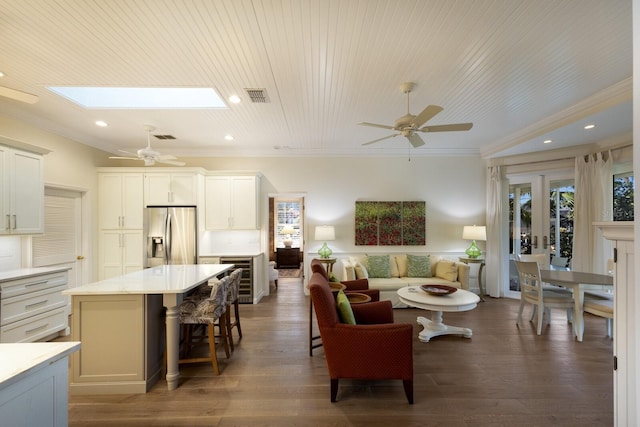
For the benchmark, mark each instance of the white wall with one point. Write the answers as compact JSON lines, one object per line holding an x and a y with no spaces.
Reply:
{"x":452,"y":187}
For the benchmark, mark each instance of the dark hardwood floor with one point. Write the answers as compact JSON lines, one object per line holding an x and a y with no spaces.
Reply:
{"x":503,"y":376}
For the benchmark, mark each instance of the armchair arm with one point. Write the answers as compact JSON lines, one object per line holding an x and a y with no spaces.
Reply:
{"x":371,"y":313}
{"x":356,"y":285}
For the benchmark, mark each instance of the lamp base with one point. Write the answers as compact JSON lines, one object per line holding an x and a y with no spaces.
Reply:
{"x":473,"y":251}
{"x":324,"y":251}
{"x":287,"y":243}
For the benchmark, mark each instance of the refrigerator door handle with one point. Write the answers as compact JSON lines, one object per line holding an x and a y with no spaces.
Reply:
{"x":167,"y":239}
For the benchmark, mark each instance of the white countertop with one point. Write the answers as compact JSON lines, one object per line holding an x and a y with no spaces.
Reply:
{"x":163,"y":279}
{"x":28,"y":272}
{"x":21,"y":359}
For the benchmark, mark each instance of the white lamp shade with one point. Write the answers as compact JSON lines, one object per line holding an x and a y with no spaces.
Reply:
{"x":325,"y":233}
{"x":474,"y":232}
{"x":287,"y":229}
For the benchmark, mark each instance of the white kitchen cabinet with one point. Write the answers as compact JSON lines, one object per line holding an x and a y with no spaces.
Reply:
{"x":121,"y":252}
{"x":231,"y":202}
{"x":120,"y":198}
{"x":32,"y":306}
{"x":22,"y":192}
{"x":170,"y":189}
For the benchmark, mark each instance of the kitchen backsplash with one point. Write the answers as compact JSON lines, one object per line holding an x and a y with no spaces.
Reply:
{"x":245,"y":242}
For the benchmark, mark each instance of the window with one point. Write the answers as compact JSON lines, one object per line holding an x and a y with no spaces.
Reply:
{"x":623,"y":186}
{"x":288,"y":212}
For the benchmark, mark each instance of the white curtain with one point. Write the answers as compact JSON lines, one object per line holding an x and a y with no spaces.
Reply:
{"x":593,"y":202}
{"x":493,"y":256}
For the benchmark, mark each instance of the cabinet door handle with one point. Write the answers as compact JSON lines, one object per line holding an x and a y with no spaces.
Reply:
{"x":544,"y":242}
{"x":35,"y":304}
{"x":38,"y":328}
{"x":535,"y":242}
{"x":7,"y":224}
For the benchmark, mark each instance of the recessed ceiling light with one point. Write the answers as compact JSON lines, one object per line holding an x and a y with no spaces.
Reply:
{"x":101,"y":123}
{"x":235,"y":99}
{"x":591,"y":126}
{"x":547,"y":141}
{"x":228,"y":137}
{"x":1,"y":74}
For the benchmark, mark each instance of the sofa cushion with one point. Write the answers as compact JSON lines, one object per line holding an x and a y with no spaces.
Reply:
{"x":349,"y":271}
{"x":393,"y":266}
{"x":391,"y":283}
{"x":418,"y":266}
{"x":401,"y":262}
{"x":378,"y":266}
{"x":447,"y":270}
{"x":344,"y":309}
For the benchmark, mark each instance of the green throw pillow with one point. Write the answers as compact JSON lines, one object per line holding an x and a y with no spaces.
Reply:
{"x":378,"y":266}
{"x":344,"y":309}
{"x":418,"y":266}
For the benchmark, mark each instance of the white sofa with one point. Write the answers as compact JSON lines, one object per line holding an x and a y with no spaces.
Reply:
{"x":442,"y":272}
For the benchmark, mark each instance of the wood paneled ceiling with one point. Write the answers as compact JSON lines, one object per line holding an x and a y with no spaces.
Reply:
{"x":522,"y":71}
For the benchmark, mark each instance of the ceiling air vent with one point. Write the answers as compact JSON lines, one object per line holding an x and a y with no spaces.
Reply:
{"x":165,"y":136}
{"x":258,"y":96}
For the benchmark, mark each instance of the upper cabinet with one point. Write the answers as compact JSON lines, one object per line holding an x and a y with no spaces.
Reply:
{"x":170,"y":188}
{"x":231,"y":202}
{"x":120,"y":200}
{"x":21,"y":192}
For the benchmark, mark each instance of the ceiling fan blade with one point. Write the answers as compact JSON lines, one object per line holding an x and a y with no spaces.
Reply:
{"x":376,"y":125}
{"x":383,"y":138}
{"x":415,"y":140}
{"x":129,"y":153}
{"x":426,"y":115}
{"x":125,"y":158}
{"x":447,"y":128}
{"x":165,"y":157}
{"x":170,"y":162}
{"x":18,"y":95}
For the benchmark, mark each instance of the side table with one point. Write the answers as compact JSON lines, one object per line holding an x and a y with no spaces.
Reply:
{"x":480,"y":261}
{"x":328,"y":263}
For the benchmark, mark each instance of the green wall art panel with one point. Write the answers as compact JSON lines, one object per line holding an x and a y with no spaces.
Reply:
{"x":390,"y":223}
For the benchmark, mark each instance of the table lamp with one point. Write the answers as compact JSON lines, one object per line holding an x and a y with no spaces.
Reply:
{"x":473,"y":233}
{"x":325,"y":233}
{"x":287,"y":230}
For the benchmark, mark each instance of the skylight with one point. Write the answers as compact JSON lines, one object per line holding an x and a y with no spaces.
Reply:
{"x":140,"y":98}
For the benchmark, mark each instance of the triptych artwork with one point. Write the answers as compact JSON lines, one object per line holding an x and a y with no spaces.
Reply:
{"x":390,"y":223}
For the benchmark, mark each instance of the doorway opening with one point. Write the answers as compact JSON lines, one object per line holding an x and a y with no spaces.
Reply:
{"x":286,"y":234}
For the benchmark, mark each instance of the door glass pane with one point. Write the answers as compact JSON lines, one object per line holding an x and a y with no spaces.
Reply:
{"x":623,"y":185}
{"x":561,"y":195}
{"x":519,"y":228}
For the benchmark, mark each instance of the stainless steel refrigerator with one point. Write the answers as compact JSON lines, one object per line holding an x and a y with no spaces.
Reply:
{"x":171,"y":233}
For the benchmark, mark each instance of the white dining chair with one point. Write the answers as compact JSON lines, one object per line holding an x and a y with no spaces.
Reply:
{"x":543,"y":299}
{"x":602,"y":308}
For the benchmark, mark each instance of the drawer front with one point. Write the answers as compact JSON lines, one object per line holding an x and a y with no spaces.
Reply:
{"x":17,"y":287}
{"x":34,"y":328}
{"x":31,"y":304}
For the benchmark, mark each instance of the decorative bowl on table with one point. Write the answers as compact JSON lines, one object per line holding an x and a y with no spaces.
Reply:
{"x":438,"y":290}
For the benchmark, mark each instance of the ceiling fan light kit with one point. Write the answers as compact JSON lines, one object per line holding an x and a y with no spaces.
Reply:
{"x":148,"y":154}
{"x":409,"y":124}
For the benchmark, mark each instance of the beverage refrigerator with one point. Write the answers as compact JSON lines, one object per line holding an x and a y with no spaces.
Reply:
{"x":171,"y":235}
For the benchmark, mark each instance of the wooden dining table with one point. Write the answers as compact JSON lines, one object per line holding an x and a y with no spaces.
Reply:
{"x":578,"y":282}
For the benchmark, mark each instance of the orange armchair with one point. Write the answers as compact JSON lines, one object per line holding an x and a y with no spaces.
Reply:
{"x":388,"y":346}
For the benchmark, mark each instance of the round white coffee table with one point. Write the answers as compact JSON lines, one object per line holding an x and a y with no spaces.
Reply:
{"x":460,"y":300}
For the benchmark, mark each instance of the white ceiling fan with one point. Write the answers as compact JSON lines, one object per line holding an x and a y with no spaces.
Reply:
{"x":148,"y":154}
{"x":409,"y":124}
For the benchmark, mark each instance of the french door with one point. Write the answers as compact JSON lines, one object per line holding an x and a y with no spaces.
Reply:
{"x":540,"y":221}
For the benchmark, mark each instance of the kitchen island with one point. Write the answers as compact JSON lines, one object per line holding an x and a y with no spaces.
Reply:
{"x":34,"y":383}
{"x":122,"y":323}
